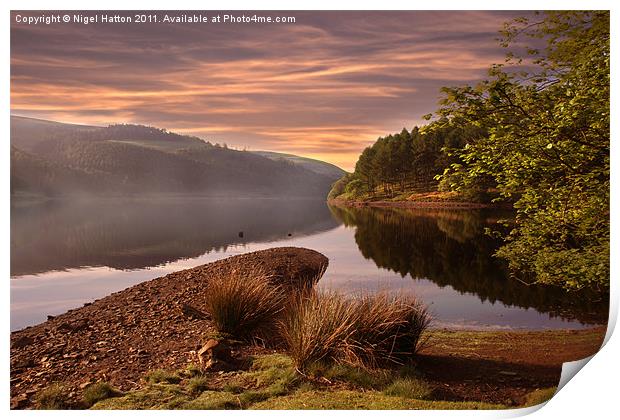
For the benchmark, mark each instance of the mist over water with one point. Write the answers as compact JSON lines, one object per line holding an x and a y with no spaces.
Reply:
{"x":66,"y":253}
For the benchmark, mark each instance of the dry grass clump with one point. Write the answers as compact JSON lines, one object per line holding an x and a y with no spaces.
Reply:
{"x":368,"y":331}
{"x":54,"y":397}
{"x":98,"y":392}
{"x":243,"y":304}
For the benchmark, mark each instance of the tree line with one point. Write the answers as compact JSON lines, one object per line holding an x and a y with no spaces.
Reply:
{"x":536,"y":133}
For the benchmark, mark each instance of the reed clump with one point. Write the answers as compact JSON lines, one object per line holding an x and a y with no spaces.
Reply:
{"x":243,"y":305}
{"x":366,"y":331}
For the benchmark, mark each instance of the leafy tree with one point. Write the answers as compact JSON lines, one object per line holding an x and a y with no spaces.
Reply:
{"x":546,"y":145}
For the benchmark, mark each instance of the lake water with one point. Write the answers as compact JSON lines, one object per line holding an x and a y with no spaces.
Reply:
{"x":64,"y":254}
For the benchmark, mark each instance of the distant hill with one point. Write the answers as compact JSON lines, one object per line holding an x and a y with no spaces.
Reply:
{"x":313,"y":165}
{"x":52,"y":159}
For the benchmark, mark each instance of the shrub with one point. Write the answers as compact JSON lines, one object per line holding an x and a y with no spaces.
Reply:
{"x":242,"y":305}
{"x":368,"y":331}
{"x":161,"y":376}
{"x":98,"y":392}
{"x":54,"y":397}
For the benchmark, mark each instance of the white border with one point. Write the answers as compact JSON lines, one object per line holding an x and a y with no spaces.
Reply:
{"x":593,"y":394}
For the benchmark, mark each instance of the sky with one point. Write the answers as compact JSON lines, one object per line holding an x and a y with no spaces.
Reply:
{"x":326,"y":86}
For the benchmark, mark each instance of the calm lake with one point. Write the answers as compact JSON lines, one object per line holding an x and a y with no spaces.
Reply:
{"x":64,"y":254}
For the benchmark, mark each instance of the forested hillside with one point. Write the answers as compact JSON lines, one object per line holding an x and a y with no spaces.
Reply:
{"x":405,"y":163}
{"x":54,"y":159}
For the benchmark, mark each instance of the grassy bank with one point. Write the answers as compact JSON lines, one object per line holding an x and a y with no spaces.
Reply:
{"x":273,"y":383}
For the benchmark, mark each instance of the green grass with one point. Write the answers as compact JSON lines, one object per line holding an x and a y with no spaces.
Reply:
{"x":161,"y":376}
{"x":98,"y":392}
{"x":152,"y":397}
{"x":360,"y":377}
{"x":198,"y":384}
{"x":268,"y":377}
{"x":539,"y":396}
{"x":54,"y":397}
{"x":362,"y":400}
{"x":409,"y":388}
{"x":273,"y":383}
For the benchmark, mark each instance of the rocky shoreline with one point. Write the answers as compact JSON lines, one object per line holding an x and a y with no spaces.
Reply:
{"x":448,"y":205}
{"x":155,"y":324}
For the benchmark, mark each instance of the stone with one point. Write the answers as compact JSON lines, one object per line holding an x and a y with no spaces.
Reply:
{"x":84,"y":385}
{"x":22,"y":342}
{"x":214,"y":352}
{"x":192,"y":312}
{"x":507,"y":373}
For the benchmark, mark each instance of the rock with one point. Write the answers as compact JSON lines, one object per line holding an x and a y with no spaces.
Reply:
{"x":192,"y":312}
{"x":22,"y":363}
{"x":507,"y":373}
{"x":214,"y":352}
{"x":22,"y":342}
{"x":84,"y":385}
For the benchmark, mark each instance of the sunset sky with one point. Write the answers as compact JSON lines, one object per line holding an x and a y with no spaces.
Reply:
{"x":325,"y":86}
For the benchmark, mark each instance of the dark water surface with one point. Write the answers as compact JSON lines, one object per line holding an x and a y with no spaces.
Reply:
{"x":66,"y":253}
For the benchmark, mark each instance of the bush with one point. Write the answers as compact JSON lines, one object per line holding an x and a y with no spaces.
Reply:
{"x":54,"y":397}
{"x":329,"y":328}
{"x":99,"y":391}
{"x":243,"y":305}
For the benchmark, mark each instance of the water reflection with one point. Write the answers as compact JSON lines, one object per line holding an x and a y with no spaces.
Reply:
{"x":450,"y":248}
{"x":64,"y":254}
{"x":134,"y":234}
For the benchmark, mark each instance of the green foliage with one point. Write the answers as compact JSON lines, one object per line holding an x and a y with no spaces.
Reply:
{"x":243,"y":305}
{"x":546,"y":146}
{"x":339,"y":186}
{"x":406,"y":161}
{"x":98,"y":392}
{"x":162,"y":376}
{"x":54,"y":397}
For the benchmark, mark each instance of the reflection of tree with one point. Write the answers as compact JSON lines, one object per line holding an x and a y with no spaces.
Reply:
{"x":132,"y":234}
{"x":451,"y":248}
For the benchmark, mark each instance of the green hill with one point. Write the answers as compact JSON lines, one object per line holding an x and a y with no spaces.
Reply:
{"x":313,"y":165}
{"x":51,"y":158}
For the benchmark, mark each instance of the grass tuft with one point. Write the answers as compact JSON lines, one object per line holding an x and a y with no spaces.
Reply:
{"x":539,"y":396}
{"x":328,"y":328}
{"x":98,"y":392}
{"x":54,"y":397}
{"x":161,"y":376}
{"x":409,"y":388}
{"x":198,"y":384}
{"x":243,"y":305}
